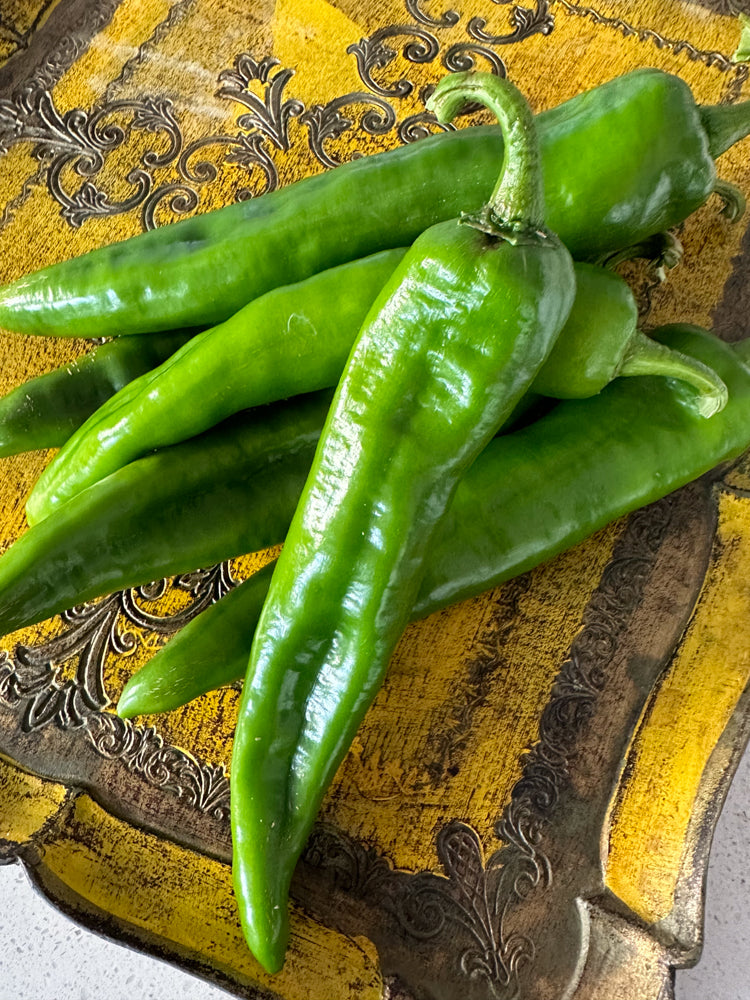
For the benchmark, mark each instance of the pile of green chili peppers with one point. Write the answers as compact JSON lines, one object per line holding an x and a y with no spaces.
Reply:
{"x":375,"y":389}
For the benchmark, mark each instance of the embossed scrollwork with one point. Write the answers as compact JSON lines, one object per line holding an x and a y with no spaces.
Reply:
{"x":157,"y":115}
{"x":270,"y":115}
{"x":475,"y":896}
{"x":420,"y":125}
{"x":373,"y":53}
{"x":327,"y":123}
{"x":31,"y":680}
{"x":79,"y":141}
{"x":525,"y":23}
{"x":180,"y":199}
{"x":249,"y":151}
{"x":447,"y":19}
{"x":461,"y":58}
{"x":206,"y":788}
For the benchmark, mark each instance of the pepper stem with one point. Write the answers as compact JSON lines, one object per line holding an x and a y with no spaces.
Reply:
{"x":517,"y":202}
{"x":647,"y":357}
{"x":734,"y":200}
{"x":725,"y":124}
{"x":663,"y":251}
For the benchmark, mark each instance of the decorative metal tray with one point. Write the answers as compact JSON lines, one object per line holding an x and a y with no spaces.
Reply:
{"x":528,"y":808}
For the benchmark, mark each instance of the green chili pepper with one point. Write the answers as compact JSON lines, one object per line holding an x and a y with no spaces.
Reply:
{"x":621,"y":162}
{"x":529,"y":496}
{"x":45,"y":411}
{"x":233,"y":490}
{"x":227,"y":492}
{"x":223,"y":494}
{"x":449,"y":347}
{"x":293,"y":340}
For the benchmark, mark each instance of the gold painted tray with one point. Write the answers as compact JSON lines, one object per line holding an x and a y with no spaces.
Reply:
{"x":527,"y":811}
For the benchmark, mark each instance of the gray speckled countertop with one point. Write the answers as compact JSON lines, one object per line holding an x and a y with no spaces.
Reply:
{"x":45,"y":956}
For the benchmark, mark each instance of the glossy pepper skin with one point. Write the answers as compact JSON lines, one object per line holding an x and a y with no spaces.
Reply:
{"x":233,"y":490}
{"x":621,"y":162}
{"x":449,"y":347}
{"x":171,"y":512}
{"x":529,"y":496}
{"x":45,"y":411}
{"x":292,"y":340}
{"x":297,"y":339}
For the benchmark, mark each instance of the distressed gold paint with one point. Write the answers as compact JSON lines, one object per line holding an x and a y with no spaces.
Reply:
{"x":682,"y":724}
{"x":185,"y":902}
{"x":316,"y":31}
{"x":26,"y":803}
{"x":738,"y":477}
{"x":384,"y":793}
{"x":132,"y":23}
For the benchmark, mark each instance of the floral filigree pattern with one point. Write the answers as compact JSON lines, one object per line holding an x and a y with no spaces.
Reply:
{"x":144,"y":752}
{"x":33,"y":681}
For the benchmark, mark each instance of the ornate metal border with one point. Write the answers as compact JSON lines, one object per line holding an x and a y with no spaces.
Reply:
{"x":478,"y":896}
{"x":32,"y":680}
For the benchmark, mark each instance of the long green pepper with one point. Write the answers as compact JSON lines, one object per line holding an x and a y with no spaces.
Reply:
{"x":529,"y":496}
{"x":233,"y":490}
{"x":296,"y":339}
{"x":45,"y":411}
{"x":449,"y":347}
{"x":621,"y":162}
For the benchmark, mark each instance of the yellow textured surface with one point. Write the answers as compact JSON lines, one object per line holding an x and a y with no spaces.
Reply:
{"x":26,"y":803}
{"x":432,"y":747}
{"x":320,"y":31}
{"x":185,"y":901}
{"x":384,"y":793}
{"x":683,"y":721}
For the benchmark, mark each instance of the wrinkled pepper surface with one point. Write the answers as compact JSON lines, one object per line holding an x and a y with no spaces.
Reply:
{"x":529,"y":496}
{"x":451,"y":344}
{"x":296,"y":339}
{"x":621,"y":162}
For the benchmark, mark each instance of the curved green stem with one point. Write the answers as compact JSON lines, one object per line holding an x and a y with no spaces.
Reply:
{"x":725,"y":124}
{"x":518,"y":198}
{"x":647,"y":357}
{"x":663,"y":251}
{"x":734,"y":200}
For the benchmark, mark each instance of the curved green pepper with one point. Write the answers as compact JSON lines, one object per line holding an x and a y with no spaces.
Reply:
{"x":529,"y":496}
{"x":223,"y":494}
{"x":621,"y":162}
{"x":46,"y":410}
{"x":451,"y":344}
{"x":294,"y":340}
{"x":234,"y":489}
